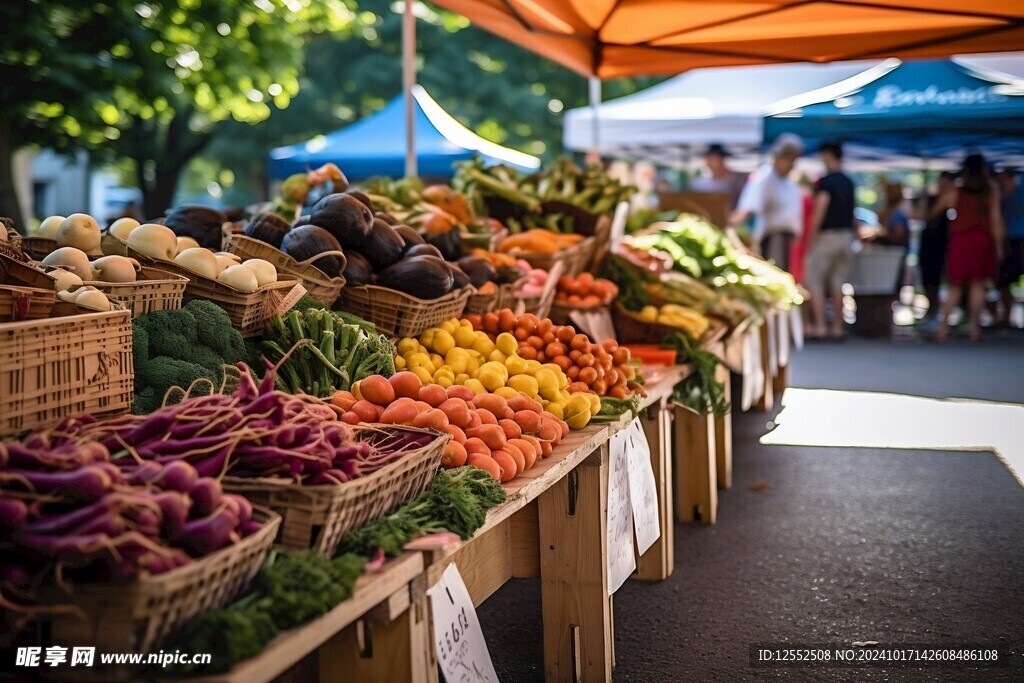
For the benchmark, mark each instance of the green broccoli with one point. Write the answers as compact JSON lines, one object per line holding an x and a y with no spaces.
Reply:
{"x":233,"y":634}
{"x":170,"y":333}
{"x":214,"y":330}
{"x":146,"y":401}
{"x":162,"y":373}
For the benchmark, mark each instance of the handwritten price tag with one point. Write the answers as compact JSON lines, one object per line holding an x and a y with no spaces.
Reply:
{"x":290,"y":299}
{"x":458,"y":640}
{"x":643,"y":490}
{"x":621,"y":561}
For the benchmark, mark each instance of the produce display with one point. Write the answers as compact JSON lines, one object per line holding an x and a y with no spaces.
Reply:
{"x":602,"y":369}
{"x":585,"y":291}
{"x":503,"y":436}
{"x":566,"y":187}
{"x":342,"y":349}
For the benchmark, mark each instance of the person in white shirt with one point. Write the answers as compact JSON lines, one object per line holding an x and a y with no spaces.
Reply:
{"x":774,"y":200}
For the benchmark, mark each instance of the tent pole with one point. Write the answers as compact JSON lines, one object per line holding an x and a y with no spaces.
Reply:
{"x":408,"y":81}
{"x":594,"y":88}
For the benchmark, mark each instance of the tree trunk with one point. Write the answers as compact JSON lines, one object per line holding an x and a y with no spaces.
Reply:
{"x":171,"y":153}
{"x":158,"y":195}
{"x":9,"y":204}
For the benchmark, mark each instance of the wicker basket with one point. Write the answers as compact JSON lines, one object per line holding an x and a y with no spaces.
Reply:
{"x":12,"y":246}
{"x":53,"y":368}
{"x":597,"y":249}
{"x":630,"y":329}
{"x":560,"y":311}
{"x":25,"y":303}
{"x":573,"y":259}
{"x":137,"y":617}
{"x":316,"y":517}
{"x":399,"y":315}
{"x":505,"y":297}
{"x":38,"y":247}
{"x":16,"y":272}
{"x":316,"y":282}
{"x":154,"y":290}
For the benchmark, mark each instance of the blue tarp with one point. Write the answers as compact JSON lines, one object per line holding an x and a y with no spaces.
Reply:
{"x":925,"y":109}
{"x":375,"y":145}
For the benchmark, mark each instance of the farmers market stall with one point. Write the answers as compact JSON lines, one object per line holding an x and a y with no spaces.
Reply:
{"x":281,"y":442}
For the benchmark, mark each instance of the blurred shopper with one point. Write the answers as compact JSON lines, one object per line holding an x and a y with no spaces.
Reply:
{"x":720,"y":179}
{"x":975,"y":241}
{"x":1011,"y":269}
{"x":773,"y":199}
{"x":934,"y":240}
{"x":830,"y":243}
{"x":893,"y":217}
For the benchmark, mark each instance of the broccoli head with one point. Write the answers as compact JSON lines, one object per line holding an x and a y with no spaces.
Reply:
{"x":170,"y":333}
{"x":162,"y":373}
{"x":146,"y":401}
{"x":214,"y":330}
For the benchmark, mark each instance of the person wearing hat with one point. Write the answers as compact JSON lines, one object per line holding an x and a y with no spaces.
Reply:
{"x":775,"y":202}
{"x":720,"y":179}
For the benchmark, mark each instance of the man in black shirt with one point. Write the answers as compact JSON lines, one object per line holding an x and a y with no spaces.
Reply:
{"x":830,"y":243}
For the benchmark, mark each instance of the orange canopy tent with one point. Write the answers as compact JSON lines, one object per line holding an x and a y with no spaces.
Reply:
{"x":613,"y":38}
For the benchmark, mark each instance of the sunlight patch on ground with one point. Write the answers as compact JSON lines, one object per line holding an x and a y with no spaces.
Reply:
{"x":860,"y":419}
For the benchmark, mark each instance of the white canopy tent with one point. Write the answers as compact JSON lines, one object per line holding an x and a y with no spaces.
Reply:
{"x":675,"y":120}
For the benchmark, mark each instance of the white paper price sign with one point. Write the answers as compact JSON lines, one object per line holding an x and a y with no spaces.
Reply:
{"x":458,"y":639}
{"x":643,"y":490}
{"x":621,"y":561}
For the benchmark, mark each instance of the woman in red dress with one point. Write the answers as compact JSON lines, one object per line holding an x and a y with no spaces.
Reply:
{"x":975,"y":240}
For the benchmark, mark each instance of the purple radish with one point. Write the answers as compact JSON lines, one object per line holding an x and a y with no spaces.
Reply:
{"x":206,"y":497}
{"x":177,"y":476}
{"x":202,"y":536}
{"x":145,"y":473}
{"x":13,"y":513}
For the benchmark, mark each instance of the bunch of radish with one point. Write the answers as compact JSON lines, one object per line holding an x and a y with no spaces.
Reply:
{"x":66,"y":508}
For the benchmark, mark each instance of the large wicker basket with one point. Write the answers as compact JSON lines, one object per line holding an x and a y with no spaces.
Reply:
{"x":398,"y":314}
{"x":137,"y":617}
{"x":504,"y":297}
{"x":12,"y":246}
{"x":56,"y":367}
{"x":482,"y":240}
{"x":316,"y":517}
{"x":317,"y":283}
{"x":574,"y":259}
{"x":630,"y":329}
{"x":16,"y":272}
{"x":154,"y":290}
{"x":38,"y":247}
{"x":25,"y":303}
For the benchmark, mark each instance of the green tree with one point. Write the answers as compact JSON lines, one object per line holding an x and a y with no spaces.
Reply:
{"x":150,"y":81}
{"x":501,"y":91}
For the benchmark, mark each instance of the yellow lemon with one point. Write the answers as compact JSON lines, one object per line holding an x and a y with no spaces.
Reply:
{"x":516,"y":365}
{"x":524,"y":384}
{"x":506,"y":392}
{"x":507,"y":344}
{"x":476,"y":386}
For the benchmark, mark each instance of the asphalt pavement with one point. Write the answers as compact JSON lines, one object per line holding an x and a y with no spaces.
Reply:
{"x":828,"y":545}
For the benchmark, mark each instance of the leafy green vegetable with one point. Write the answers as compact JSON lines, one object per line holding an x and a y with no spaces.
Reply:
{"x":700,"y":391}
{"x":457,"y":501}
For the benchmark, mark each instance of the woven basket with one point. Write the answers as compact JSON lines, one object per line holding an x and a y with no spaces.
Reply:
{"x":560,"y":311}
{"x":12,"y":246}
{"x":154,"y":290}
{"x":38,"y":247}
{"x":505,"y":297}
{"x":25,"y":303}
{"x":630,"y":329}
{"x":136,"y":617}
{"x":573,"y":259}
{"x":597,"y":249}
{"x":316,"y":282}
{"x":56,"y":367}
{"x":399,"y":315}
{"x":16,"y":272}
{"x":316,"y":517}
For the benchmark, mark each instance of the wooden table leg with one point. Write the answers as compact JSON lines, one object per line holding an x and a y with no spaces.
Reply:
{"x":723,"y":434}
{"x":659,"y":561}
{"x":388,"y":644}
{"x":574,"y":574}
{"x":781,"y":382}
{"x":696,"y":467}
{"x":767,"y":400}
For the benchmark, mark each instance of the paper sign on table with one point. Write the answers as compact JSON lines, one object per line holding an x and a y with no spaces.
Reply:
{"x":597,"y":324}
{"x":785,"y":322}
{"x":621,"y":562}
{"x":752,"y":377}
{"x":458,"y":639}
{"x":290,"y":299}
{"x":796,"y":321}
{"x":643,"y":490}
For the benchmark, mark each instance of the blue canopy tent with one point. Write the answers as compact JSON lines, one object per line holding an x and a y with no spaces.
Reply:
{"x":924,"y":109}
{"x":375,"y":145}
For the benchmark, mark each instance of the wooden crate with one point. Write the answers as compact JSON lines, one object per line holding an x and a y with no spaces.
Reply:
{"x":38,"y":247}
{"x":53,"y":368}
{"x":25,"y":303}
